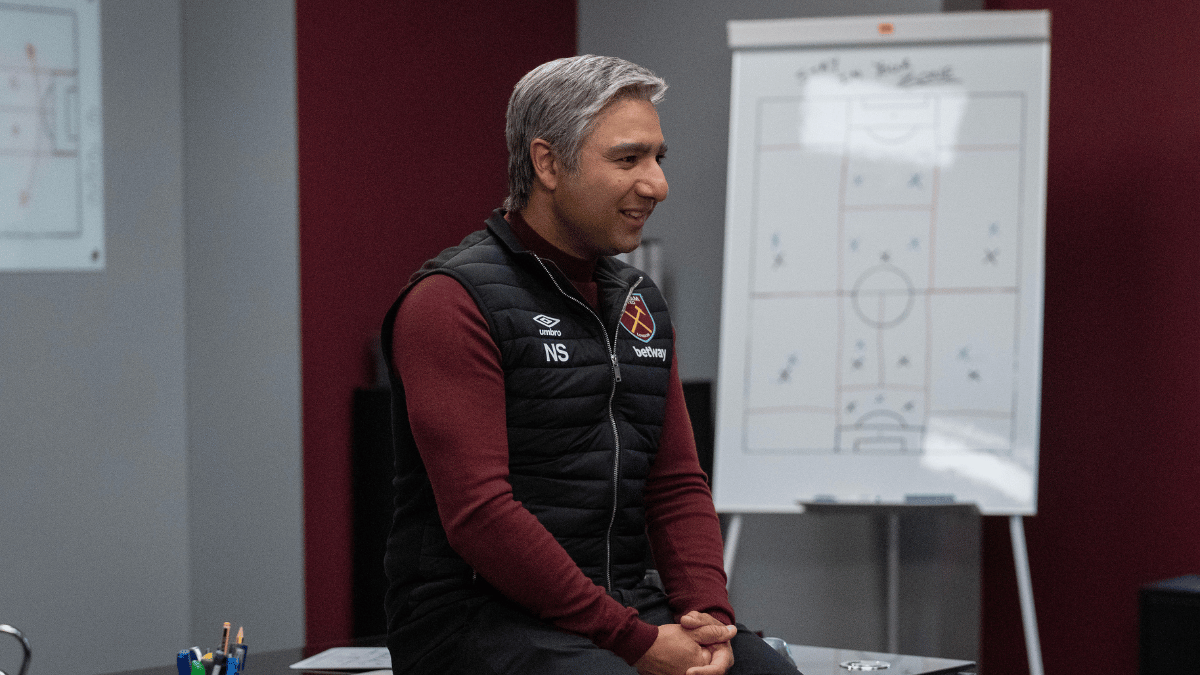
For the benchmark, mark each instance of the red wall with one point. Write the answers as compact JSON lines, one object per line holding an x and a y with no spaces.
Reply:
{"x":401,"y":152}
{"x":1119,"y":493}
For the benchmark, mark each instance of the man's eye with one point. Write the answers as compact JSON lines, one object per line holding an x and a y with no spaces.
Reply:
{"x":660,"y":158}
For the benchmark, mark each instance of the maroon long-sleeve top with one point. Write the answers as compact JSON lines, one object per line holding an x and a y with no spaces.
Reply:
{"x":454,"y":385}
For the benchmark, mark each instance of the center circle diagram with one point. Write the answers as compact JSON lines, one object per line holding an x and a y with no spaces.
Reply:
{"x":883,"y":296}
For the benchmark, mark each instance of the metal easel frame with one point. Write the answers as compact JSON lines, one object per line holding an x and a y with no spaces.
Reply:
{"x":1016,"y":525}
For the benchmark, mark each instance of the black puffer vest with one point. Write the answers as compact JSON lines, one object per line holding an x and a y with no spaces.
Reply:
{"x":586,"y":394}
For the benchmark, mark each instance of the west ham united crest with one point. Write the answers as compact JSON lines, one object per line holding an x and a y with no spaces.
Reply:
{"x":637,"y":319}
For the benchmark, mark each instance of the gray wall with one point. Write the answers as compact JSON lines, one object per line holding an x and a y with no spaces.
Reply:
{"x":812,"y":579}
{"x":93,"y":389}
{"x":243,"y":320}
{"x":149,"y":433}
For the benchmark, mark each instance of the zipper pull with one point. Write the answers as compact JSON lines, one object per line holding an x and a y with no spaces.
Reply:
{"x":616,"y":367}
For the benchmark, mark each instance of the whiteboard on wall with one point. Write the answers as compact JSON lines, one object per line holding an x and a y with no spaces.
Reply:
{"x":51,"y":136}
{"x":881,"y":324}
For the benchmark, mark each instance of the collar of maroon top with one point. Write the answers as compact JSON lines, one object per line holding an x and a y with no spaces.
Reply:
{"x":577,"y":270}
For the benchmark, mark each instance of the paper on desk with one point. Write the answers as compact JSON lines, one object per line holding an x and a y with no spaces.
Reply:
{"x":348,"y":658}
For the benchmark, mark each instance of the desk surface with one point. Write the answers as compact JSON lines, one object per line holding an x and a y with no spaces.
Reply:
{"x":265,"y":663}
{"x":274,"y":662}
{"x":810,"y":660}
{"x":826,"y":661}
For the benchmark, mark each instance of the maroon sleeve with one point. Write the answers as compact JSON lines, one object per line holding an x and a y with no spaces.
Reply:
{"x":454,"y":384}
{"x":680,"y":519}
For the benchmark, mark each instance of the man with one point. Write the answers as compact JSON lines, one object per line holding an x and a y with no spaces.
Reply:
{"x":542,"y":444}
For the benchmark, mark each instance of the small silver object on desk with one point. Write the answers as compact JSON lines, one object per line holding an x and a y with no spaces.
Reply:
{"x":865,"y":665}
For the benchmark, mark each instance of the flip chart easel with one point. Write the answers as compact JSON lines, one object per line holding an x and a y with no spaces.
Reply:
{"x":892,"y":604}
{"x":882,"y":300}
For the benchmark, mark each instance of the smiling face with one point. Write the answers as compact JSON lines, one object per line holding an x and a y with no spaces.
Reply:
{"x":600,"y":208}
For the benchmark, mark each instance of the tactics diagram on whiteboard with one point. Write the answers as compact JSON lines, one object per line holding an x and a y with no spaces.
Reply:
{"x":51,"y":182}
{"x":878,"y":300}
{"x":918,"y":319}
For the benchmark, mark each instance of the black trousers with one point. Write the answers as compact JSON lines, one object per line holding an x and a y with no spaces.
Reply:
{"x":501,"y":638}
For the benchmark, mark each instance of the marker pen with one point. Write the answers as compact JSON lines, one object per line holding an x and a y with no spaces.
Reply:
{"x":241,"y":650}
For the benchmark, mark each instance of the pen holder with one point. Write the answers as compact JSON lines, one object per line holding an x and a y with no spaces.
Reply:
{"x":5,"y":628}
{"x":190,"y":662}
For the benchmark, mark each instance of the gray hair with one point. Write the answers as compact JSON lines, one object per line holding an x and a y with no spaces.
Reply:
{"x":559,"y":102}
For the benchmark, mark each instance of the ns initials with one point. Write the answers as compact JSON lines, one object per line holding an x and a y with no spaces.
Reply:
{"x":556,"y":351}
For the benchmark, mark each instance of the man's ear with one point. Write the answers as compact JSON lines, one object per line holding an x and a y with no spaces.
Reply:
{"x":545,"y":163}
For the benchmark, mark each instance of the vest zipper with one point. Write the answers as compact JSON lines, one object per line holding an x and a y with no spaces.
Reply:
{"x":612,"y":517}
{"x":612,"y":420}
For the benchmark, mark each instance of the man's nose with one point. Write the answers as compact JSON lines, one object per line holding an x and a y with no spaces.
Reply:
{"x":654,"y":183}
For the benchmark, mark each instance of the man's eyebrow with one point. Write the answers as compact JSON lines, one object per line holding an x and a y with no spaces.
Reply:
{"x":638,"y":148}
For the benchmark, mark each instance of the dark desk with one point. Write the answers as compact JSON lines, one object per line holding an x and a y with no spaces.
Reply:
{"x":827,"y":661}
{"x":810,"y":660}
{"x":261,"y":663}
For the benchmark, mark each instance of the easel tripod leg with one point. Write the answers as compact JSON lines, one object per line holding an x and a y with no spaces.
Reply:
{"x":1033,"y":647}
{"x":893,"y":581}
{"x":731,"y":543}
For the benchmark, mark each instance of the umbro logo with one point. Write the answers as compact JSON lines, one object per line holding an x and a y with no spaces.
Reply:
{"x":549,"y":322}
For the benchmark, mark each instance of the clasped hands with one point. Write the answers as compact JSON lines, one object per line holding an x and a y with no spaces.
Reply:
{"x":697,"y":645}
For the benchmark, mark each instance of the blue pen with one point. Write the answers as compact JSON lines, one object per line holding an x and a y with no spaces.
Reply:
{"x":183,"y":662}
{"x":241,"y":649}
